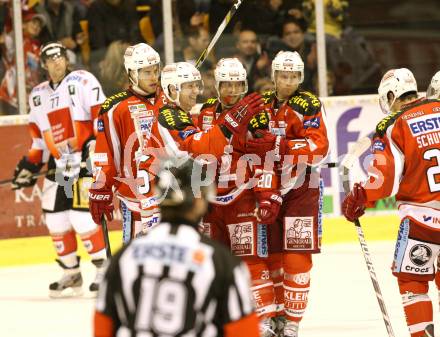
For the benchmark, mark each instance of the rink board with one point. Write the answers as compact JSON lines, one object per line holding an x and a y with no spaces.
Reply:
{"x":36,"y":250}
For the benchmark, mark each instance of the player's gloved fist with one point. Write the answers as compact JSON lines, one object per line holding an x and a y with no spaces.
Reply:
{"x":269,"y":204}
{"x":353,"y":205}
{"x":24,"y":174}
{"x":236,"y":119}
{"x":101,"y":203}
{"x":263,"y":142}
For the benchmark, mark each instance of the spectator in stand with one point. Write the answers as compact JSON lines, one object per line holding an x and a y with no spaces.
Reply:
{"x":249,"y":53}
{"x":62,"y":24}
{"x":111,"y":20}
{"x":292,"y":37}
{"x":112,"y":74}
{"x":198,"y":40}
{"x":32,"y":25}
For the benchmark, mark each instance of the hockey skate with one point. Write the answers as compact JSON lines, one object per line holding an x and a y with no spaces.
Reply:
{"x":291,"y":329}
{"x":280,"y":322}
{"x":429,"y":331}
{"x":99,"y":264}
{"x":70,"y":283}
{"x":267,"y":328}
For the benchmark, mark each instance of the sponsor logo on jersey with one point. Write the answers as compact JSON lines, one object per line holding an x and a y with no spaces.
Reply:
{"x":100,"y":125}
{"x":37,"y":100}
{"x":166,"y":252}
{"x":262,"y":245}
{"x":420,"y":254}
{"x":207,"y":119}
{"x":312,"y":123}
{"x":298,"y":232}
{"x":73,"y":78}
{"x":424,"y":124}
{"x":100,"y":158}
{"x":224,"y":199}
{"x":137,"y":108}
{"x":434,"y":220}
{"x":185,"y":134}
{"x":378,"y":145}
{"x":242,"y":238}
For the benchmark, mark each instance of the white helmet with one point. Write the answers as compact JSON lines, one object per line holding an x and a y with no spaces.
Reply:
{"x":137,"y":57}
{"x":230,"y":70}
{"x":175,"y":74}
{"x":288,"y":61}
{"x":433,"y":90}
{"x":399,"y":82}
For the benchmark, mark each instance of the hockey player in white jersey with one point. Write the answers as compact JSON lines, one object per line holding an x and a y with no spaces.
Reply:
{"x":62,"y":111}
{"x":175,"y":281}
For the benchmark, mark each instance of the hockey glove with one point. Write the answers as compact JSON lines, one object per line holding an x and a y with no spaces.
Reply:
{"x":236,"y":119}
{"x":100,"y":204}
{"x":353,"y":205}
{"x":264,"y":142}
{"x":269,"y":204}
{"x":24,"y":174}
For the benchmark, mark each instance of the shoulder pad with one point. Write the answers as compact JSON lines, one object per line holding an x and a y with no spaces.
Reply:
{"x":383,"y":125}
{"x":305,"y":103}
{"x":268,"y":96}
{"x":209,"y":103}
{"x":112,"y":100}
{"x":174,"y":118}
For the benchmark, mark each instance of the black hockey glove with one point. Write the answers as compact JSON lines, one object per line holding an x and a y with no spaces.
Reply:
{"x":24,"y":174}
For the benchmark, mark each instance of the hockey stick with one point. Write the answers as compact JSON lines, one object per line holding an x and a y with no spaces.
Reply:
{"x":108,"y":251}
{"x":348,"y":162}
{"x":220,"y":30}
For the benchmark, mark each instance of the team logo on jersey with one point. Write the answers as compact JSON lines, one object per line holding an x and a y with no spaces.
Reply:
{"x":312,"y":123}
{"x":242,"y":238}
{"x":207,"y":119}
{"x":420,"y":254}
{"x":71,"y":89}
{"x":378,"y":145}
{"x":298,"y":232}
{"x":36,"y":100}
{"x":424,"y":124}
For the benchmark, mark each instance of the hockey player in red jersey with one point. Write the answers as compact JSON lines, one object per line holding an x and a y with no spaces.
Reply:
{"x":175,"y":135}
{"x":298,"y":136}
{"x":231,"y":218}
{"x":407,"y":145}
{"x":61,"y":126}
{"x":124,"y":127}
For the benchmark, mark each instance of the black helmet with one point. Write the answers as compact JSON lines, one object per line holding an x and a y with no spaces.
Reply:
{"x":178,"y":184}
{"x":50,"y":50}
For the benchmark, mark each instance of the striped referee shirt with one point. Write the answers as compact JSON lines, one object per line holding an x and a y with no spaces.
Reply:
{"x":175,"y":282}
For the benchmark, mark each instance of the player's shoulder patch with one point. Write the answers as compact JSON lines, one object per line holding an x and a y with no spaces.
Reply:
{"x":174,"y":118}
{"x":210,"y":102}
{"x":384,"y":124}
{"x":113,"y":100}
{"x":268,"y":96}
{"x":305,"y":103}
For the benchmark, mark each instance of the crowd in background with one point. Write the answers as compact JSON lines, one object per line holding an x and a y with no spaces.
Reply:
{"x":96,"y":33}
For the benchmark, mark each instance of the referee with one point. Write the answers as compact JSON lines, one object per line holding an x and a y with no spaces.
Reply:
{"x":175,"y":281}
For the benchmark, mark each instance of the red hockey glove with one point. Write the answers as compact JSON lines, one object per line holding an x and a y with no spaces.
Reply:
{"x":263,"y":142}
{"x":237,"y":118}
{"x":353,"y":205}
{"x":101,"y":203}
{"x":269,"y":204}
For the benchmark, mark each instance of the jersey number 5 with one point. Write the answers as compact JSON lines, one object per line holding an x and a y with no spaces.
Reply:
{"x":433,"y":173}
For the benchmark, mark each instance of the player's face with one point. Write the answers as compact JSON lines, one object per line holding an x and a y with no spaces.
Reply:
{"x":188,"y":94}
{"x":231,"y":92}
{"x":148,"y":78}
{"x":286,"y":83}
{"x":56,"y":67}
